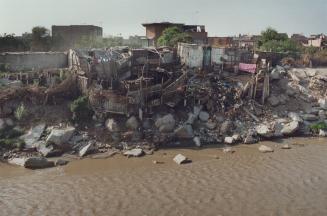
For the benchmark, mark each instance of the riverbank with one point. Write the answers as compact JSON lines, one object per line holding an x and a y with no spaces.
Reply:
{"x":247,"y":182}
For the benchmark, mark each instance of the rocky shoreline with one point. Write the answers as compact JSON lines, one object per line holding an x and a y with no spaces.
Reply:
{"x":220,"y":114}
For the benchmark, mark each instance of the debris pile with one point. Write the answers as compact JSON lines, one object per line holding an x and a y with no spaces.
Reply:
{"x":144,"y":99}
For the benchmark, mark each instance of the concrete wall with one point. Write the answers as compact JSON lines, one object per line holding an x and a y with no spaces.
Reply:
{"x":191,"y":55}
{"x":28,"y":61}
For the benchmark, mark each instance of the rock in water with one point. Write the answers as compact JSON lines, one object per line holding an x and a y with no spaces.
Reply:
{"x":60,"y":136}
{"x":180,"y":159}
{"x":32,"y":162}
{"x":228,"y":150}
{"x":38,"y":163}
{"x":290,"y":128}
{"x":61,"y":162}
{"x":286,"y":146}
{"x":137,"y":152}
{"x":265,"y":149}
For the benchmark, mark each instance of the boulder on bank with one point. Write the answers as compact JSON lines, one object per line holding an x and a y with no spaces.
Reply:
{"x":295,"y":116}
{"x":229,"y":140}
{"x":264,"y":131}
{"x":32,"y":162}
{"x":184,"y":132}
{"x":33,"y":135}
{"x":60,"y":136}
{"x":197,"y":141}
{"x":323,"y":103}
{"x":86,"y":149}
{"x":310,"y":117}
{"x":137,"y":152}
{"x":204,"y":116}
{"x":273,"y":100}
{"x":132,"y":123}
{"x":112,"y":125}
{"x":165,"y":124}
{"x":226,"y":127}
{"x":290,"y":128}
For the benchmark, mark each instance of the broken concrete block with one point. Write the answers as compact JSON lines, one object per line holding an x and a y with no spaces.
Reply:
{"x":112,"y":125}
{"x":264,"y":131}
{"x":290,"y":128}
{"x":184,"y":132}
{"x":86,"y":149}
{"x":60,"y":136}
{"x":137,"y":152}
{"x":32,"y":136}
{"x":165,"y":124}
{"x":180,"y":159}
{"x":229,"y":140}
{"x":197,"y":141}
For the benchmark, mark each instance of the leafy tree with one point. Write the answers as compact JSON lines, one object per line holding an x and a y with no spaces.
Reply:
{"x":273,"y":41}
{"x":172,"y":36}
{"x":41,"y":39}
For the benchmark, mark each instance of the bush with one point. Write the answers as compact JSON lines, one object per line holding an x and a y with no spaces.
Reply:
{"x":20,"y":112}
{"x":81,"y":109}
{"x":12,"y":143}
{"x":318,"y":126}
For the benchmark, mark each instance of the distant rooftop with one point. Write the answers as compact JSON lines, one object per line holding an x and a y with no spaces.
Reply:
{"x":162,"y":23}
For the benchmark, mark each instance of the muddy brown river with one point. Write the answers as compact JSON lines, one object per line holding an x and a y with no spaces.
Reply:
{"x":286,"y":182}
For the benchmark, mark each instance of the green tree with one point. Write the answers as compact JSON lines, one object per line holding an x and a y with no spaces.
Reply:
{"x":41,"y":39}
{"x":273,"y":41}
{"x":172,"y":36}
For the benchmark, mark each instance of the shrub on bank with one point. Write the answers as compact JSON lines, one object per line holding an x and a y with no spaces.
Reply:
{"x":81,"y":109}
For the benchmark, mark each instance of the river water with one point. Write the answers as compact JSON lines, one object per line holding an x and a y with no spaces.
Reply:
{"x":286,"y":182}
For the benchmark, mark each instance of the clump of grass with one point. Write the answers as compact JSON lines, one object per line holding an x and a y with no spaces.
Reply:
{"x":318,"y":126}
{"x":81,"y":109}
{"x":20,"y":112}
{"x":9,"y":138}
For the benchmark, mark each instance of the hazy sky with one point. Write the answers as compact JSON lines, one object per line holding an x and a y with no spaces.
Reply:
{"x":221,"y":17}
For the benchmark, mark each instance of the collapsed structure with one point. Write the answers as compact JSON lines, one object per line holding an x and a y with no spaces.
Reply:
{"x":154,"y":97}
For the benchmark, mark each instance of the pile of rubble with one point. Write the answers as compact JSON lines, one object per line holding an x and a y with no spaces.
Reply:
{"x":142,"y":100}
